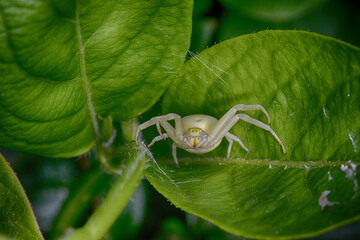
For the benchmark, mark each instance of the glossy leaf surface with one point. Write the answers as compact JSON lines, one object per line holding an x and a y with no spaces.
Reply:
{"x":310,"y":86}
{"x":63,"y":63}
{"x":17,"y":220}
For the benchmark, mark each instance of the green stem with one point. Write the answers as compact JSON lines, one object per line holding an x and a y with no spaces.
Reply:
{"x":106,"y":214}
{"x":79,"y":200}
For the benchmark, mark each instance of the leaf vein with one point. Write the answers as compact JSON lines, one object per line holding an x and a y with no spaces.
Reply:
{"x":84,"y":77}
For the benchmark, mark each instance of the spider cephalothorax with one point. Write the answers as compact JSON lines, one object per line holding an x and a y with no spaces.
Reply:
{"x":195,"y":137}
{"x":203,"y":133}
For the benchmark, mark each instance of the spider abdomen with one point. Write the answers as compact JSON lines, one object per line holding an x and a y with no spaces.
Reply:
{"x":204,"y":122}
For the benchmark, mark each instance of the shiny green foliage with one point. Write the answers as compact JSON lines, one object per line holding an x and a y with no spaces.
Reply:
{"x":73,"y":73}
{"x":310,"y":86}
{"x":17,"y":220}
{"x":64,"y":63}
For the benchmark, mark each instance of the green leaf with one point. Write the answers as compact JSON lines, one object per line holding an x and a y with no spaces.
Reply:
{"x":203,"y":33}
{"x":3,"y":237}
{"x":201,"y":7}
{"x":310,"y":86}
{"x":46,"y":182}
{"x":275,"y":10}
{"x":16,"y":217}
{"x":172,"y":228}
{"x":335,"y":20}
{"x":233,"y":24}
{"x":100,"y":222}
{"x":79,"y":200}
{"x":63,"y":63}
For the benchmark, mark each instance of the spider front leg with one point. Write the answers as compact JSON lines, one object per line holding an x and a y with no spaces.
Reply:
{"x":175,"y":134}
{"x":160,"y":121}
{"x":158,"y":138}
{"x":231,"y":122}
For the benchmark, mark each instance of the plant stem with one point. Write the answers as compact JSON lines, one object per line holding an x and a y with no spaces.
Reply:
{"x":79,"y":200}
{"x":106,"y":214}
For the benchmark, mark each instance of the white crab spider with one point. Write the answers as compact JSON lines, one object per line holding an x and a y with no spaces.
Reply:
{"x":203,"y":133}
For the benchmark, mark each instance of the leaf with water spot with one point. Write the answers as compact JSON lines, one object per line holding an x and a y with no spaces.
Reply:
{"x":310,"y":85}
{"x":17,"y":220}
{"x":63,"y":63}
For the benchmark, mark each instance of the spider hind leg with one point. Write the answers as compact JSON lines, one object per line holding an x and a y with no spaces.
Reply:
{"x":259,"y":124}
{"x":231,"y":138}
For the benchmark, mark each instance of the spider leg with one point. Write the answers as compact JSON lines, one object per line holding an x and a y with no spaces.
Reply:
{"x":244,"y":107}
{"x":251,"y":120}
{"x":158,"y":138}
{"x":231,"y":138}
{"x":142,"y":127}
{"x":232,"y":112}
{"x":175,"y":134}
{"x":174,"y":154}
{"x":159,"y":121}
{"x":162,"y":120}
{"x":262,"y":125}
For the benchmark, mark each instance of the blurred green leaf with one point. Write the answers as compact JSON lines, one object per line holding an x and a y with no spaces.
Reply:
{"x":337,"y":19}
{"x":16,"y":217}
{"x":275,"y":10}
{"x":3,"y":237}
{"x":91,"y":183}
{"x":201,"y":7}
{"x":199,"y":228}
{"x":172,"y":228}
{"x":310,"y":85}
{"x":63,"y":63}
{"x":203,"y":32}
{"x":233,"y":24}
{"x":46,"y":182}
{"x":340,"y":19}
{"x":107,"y":128}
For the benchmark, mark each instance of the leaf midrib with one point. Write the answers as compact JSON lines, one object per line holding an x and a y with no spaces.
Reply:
{"x":84,"y":77}
{"x":222,"y":162}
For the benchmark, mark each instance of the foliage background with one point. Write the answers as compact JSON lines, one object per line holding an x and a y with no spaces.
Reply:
{"x":149,"y":215}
